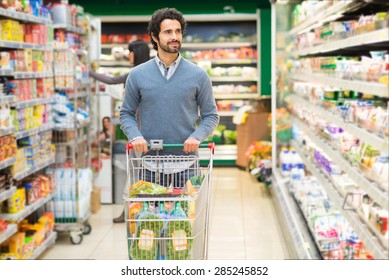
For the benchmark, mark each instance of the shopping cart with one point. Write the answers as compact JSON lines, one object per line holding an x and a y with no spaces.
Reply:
{"x":166,"y":202}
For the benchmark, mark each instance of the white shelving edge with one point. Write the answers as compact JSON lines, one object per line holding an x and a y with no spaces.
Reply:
{"x":378,"y":195}
{"x":7,"y":131}
{"x":373,"y":37}
{"x":374,"y":88}
{"x":24,"y":174}
{"x":7,"y":99}
{"x":17,"y":217}
{"x":233,"y":79}
{"x":22,"y":134}
{"x":33,"y":102}
{"x":48,"y":242}
{"x":6,"y":163}
{"x":226,"y":113}
{"x":237,"y":96}
{"x":7,"y":194}
{"x":11,"y":230}
{"x":304,"y":246}
{"x":368,"y":238}
{"x":378,"y":142}
{"x":323,"y":16}
{"x":221,"y":61}
{"x":222,"y":152}
{"x":70,"y":28}
{"x":22,"y":45}
{"x":23,"y":17}
{"x":25,"y":75}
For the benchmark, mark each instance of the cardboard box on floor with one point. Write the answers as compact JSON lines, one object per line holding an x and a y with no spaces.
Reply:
{"x":95,"y":200}
{"x":254,"y":129}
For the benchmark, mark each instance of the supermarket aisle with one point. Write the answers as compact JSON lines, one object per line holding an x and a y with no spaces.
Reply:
{"x":243,"y":225}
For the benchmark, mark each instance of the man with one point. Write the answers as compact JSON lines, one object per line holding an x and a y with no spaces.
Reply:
{"x":168,"y":93}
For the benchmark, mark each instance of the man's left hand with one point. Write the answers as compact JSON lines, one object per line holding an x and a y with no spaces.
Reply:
{"x":191,"y":144}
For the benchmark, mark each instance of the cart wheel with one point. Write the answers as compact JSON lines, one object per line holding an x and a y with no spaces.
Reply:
{"x":76,"y":238}
{"x":87,"y":229}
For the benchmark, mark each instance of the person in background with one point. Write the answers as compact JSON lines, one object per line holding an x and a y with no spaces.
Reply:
{"x":168,"y":95}
{"x":139,"y":53}
{"x":105,"y":137}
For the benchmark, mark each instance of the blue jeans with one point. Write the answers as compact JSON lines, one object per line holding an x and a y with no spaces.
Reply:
{"x":178,"y":180}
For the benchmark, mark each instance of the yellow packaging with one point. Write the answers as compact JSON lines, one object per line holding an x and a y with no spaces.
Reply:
{"x":16,"y":244}
{"x":17,"y":201}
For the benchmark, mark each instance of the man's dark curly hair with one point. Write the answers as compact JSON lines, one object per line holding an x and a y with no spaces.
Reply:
{"x":159,"y":16}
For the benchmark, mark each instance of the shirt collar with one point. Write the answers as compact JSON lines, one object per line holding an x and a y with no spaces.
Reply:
{"x":175,"y":63}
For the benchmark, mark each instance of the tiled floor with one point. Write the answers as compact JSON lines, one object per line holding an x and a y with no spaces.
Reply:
{"x":243,"y":225}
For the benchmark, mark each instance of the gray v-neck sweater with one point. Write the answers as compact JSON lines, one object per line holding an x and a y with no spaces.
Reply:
{"x":168,"y":109}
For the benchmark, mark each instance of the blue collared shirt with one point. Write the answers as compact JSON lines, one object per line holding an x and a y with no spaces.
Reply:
{"x":168,"y":73}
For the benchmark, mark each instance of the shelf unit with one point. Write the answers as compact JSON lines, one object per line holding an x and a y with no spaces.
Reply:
{"x":371,"y":241}
{"x":301,"y":242}
{"x":377,"y":141}
{"x":378,"y":89}
{"x":50,"y":240}
{"x":73,"y":155}
{"x":375,"y":243}
{"x":362,"y":40}
{"x":12,"y":100}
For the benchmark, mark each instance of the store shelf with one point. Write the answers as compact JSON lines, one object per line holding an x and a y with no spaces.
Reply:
{"x":384,"y":242}
{"x":81,"y":94}
{"x":33,"y":102}
{"x":21,"y":175}
{"x":378,"y":142}
{"x":23,"y":17}
{"x":18,"y":217}
{"x":4,"y":195}
{"x":226,"y":113}
{"x":292,"y":220}
{"x":22,"y":45}
{"x":7,"y":99}
{"x":215,"y":45}
{"x":11,"y":230}
{"x":109,"y":63}
{"x":371,"y":242}
{"x":22,"y":134}
{"x":379,"y":196}
{"x":222,"y":61}
{"x":6,"y":163}
{"x":370,"y":38}
{"x":233,"y":79}
{"x":6,"y":131}
{"x":325,"y":15}
{"x":48,"y":242}
{"x":222,"y":152}
{"x":69,"y":28}
{"x":58,"y":88}
{"x":374,"y":88}
{"x":25,"y":75}
{"x":237,"y":96}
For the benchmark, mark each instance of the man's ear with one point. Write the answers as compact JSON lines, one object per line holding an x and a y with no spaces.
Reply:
{"x":155,"y":39}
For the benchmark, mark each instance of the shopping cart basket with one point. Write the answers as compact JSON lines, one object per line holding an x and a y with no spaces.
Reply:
{"x":166,"y":202}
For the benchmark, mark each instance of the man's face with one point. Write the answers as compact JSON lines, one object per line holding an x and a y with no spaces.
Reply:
{"x":170,"y":37}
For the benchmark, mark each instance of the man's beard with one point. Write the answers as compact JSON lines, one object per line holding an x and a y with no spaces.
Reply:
{"x":168,"y":49}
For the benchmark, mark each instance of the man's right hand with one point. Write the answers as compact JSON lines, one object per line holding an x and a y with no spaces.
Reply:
{"x":140,"y":145}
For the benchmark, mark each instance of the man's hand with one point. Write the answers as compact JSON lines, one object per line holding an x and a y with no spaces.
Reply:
{"x":140,"y":145}
{"x":191,"y":144}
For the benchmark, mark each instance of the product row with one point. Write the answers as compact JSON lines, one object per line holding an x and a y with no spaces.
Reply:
{"x":29,"y":156}
{"x":236,"y":53}
{"x":366,"y":158}
{"x":14,"y":31}
{"x":30,"y":236}
{"x":337,"y":30}
{"x":364,"y":68}
{"x":352,"y":107}
{"x":31,"y":7}
{"x":27,"y":61}
{"x":27,"y":89}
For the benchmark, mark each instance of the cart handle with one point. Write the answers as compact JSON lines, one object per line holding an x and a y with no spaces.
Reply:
{"x":210,"y":145}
